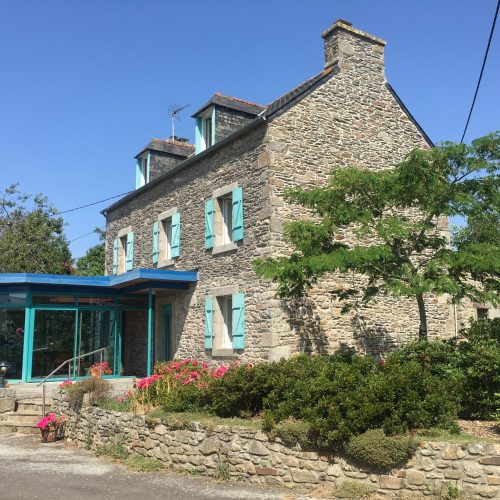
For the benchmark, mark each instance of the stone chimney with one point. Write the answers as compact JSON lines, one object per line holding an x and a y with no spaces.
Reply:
{"x":353,"y":49}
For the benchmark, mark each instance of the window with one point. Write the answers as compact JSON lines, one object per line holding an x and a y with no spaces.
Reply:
{"x":225,"y":212}
{"x":166,"y":237}
{"x":224,"y":219}
{"x":123,"y":252}
{"x":482,"y":312}
{"x":205,"y":130}
{"x":224,"y":323}
{"x":142,"y":170}
{"x":223,"y":334}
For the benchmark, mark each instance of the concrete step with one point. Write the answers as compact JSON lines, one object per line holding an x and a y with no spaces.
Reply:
{"x":34,"y":405}
{"x":25,"y":417}
{"x":23,"y":428}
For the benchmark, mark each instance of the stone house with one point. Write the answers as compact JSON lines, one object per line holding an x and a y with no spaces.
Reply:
{"x":179,"y":278}
{"x":216,"y":207}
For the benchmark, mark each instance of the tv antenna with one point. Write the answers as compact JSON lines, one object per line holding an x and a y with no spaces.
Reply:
{"x":173,"y":112}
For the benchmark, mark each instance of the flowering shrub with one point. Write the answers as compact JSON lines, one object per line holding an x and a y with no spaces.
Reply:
{"x":51,"y":422}
{"x":176,"y":385}
{"x":65,"y":383}
{"x":97,"y":370}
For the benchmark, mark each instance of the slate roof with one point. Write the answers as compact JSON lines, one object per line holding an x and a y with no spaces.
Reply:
{"x":251,"y":108}
{"x":296,"y":92}
{"x":184,"y":149}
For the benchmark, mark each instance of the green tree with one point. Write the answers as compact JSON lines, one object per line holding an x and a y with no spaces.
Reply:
{"x":31,"y":239}
{"x":93,"y":262}
{"x":395,"y":235}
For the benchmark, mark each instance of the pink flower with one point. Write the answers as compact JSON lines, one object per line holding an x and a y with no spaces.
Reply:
{"x":220,"y":371}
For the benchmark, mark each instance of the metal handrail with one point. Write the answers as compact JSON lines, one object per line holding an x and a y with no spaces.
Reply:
{"x":68,"y":361}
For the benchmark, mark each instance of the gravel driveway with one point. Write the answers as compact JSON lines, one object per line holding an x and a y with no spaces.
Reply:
{"x":32,"y":470}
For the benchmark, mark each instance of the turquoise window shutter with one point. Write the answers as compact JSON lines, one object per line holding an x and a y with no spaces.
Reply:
{"x":156,"y":242}
{"x":175,"y":247}
{"x":209,"y":223}
{"x":237,"y":214}
{"x":115,"y":256}
{"x":129,"y":258}
{"x":138,"y":174}
{"x":238,"y":320}
{"x":209,"y":321}
{"x":198,"y":142}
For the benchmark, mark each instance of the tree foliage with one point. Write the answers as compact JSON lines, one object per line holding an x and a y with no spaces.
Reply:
{"x":93,"y":262}
{"x":31,"y":239}
{"x":392,"y":224}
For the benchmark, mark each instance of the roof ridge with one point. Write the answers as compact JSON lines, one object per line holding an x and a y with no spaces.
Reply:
{"x":240,"y":100}
{"x":177,"y":143}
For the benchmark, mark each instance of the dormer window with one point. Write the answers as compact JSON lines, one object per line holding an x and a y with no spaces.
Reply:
{"x":142,"y":170}
{"x":205,"y":130}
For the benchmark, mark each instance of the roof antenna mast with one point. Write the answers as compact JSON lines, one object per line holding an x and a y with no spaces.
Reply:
{"x":173,"y":112}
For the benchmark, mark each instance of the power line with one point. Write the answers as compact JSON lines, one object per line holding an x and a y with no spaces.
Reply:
{"x":482,"y":70}
{"x":93,"y":203}
{"x":86,"y":234}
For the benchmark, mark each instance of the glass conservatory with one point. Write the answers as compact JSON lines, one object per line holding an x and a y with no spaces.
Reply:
{"x":48,"y":319}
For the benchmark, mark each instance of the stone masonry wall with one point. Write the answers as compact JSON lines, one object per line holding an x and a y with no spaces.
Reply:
{"x":249,"y":455}
{"x":160,"y":163}
{"x":352,"y":119}
{"x":228,"y":121}
{"x":135,"y":343}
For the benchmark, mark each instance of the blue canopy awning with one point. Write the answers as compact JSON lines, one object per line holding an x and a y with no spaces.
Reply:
{"x":135,"y":280}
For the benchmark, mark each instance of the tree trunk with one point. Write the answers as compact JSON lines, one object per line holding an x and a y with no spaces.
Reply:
{"x":422,"y":329}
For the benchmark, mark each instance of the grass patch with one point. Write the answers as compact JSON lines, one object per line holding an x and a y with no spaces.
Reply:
{"x":143,"y":464}
{"x":451,"y":437}
{"x":111,"y":404}
{"x":112,"y":450}
{"x":353,"y":489}
{"x":182,"y":420}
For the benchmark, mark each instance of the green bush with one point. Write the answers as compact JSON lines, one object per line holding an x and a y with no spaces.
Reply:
{"x":374,"y":448}
{"x":97,"y":389}
{"x":471,"y":362}
{"x":338,"y":396}
{"x":479,"y":362}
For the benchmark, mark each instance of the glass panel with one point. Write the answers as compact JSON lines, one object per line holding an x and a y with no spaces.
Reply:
{"x":49,"y":299}
{"x":53,"y":341}
{"x":12,"y":340}
{"x":96,"y":329}
{"x":96,"y":301}
{"x":15,"y":299}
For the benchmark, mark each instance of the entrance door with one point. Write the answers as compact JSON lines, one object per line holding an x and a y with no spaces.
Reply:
{"x":96,"y":330}
{"x":53,"y":340}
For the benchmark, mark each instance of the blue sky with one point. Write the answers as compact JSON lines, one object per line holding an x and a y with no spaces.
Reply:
{"x":85,"y":85}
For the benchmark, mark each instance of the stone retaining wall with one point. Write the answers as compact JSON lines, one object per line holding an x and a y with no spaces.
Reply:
{"x":249,"y":455}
